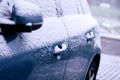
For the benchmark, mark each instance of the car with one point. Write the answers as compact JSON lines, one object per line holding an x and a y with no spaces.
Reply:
{"x":62,"y":42}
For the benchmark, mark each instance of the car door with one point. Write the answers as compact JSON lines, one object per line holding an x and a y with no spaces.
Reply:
{"x":50,"y":60}
{"x":80,"y":25}
{"x":39,"y":55}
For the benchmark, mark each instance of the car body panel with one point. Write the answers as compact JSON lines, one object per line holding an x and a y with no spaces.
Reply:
{"x":34,"y":49}
{"x":81,"y":50}
{"x":33,"y":56}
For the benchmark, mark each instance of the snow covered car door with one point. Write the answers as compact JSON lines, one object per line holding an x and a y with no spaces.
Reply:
{"x":81,"y":28}
{"x":39,"y":55}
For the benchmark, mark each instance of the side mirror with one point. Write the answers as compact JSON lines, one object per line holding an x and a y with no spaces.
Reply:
{"x":26,"y":16}
{"x":14,"y":28}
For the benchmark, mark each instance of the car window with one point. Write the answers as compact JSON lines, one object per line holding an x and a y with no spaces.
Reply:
{"x":85,"y":6}
{"x":71,"y":7}
{"x":58,"y":7}
{"x":47,"y":7}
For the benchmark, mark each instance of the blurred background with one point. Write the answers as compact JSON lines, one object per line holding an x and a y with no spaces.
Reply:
{"x":107,"y":12}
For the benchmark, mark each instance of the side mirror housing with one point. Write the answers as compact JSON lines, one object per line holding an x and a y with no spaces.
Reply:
{"x":27,"y":17}
{"x":14,"y":28}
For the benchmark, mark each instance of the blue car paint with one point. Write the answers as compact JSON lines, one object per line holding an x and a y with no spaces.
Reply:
{"x":30,"y":56}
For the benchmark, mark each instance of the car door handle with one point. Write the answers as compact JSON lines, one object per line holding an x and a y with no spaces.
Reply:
{"x":90,"y":36}
{"x":60,"y":48}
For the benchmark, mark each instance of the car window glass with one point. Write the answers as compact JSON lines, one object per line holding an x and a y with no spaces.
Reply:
{"x":47,"y":7}
{"x":58,"y":7}
{"x":85,"y":6}
{"x":71,"y":7}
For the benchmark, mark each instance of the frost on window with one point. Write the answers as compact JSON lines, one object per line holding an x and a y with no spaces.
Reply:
{"x":47,"y":7}
{"x":85,"y":6}
{"x":6,"y":8}
{"x":58,"y":7}
{"x":71,"y":7}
